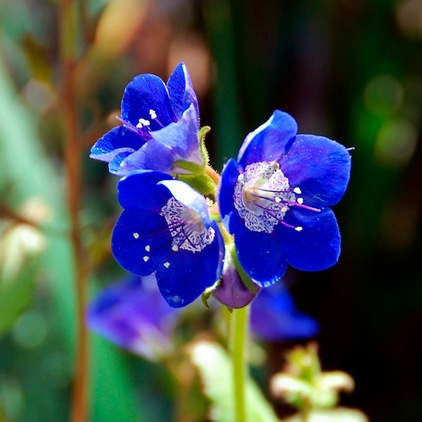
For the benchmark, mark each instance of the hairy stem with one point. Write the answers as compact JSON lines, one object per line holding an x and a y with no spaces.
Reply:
{"x":212,"y":174}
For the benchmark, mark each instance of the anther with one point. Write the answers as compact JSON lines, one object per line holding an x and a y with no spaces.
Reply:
{"x":297,"y":190}
{"x":146,"y":258}
{"x":153,"y":114}
{"x":300,"y":201}
{"x":298,"y":228}
{"x":136,"y":235}
{"x":167,"y":264}
{"x":142,"y":123}
{"x":147,"y":248}
{"x":175,"y":248}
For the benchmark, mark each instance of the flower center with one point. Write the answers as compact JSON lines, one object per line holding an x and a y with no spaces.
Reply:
{"x":186,"y":227}
{"x":262,"y":196}
{"x":143,"y":127}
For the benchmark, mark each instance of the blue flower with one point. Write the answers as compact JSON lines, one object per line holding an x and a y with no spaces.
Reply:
{"x":275,"y":317}
{"x":275,"y":200}
{"x":165,"y":230}
{"x":133,"y":315}
{"x":159,"y":129}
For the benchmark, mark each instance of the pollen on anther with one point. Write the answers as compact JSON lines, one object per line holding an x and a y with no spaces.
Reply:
{"x":142,"y":123}
{"x":167,"y":264}
{"x":175,"y":248}
{"x":146,"y":258}
{"x":136,"y":235}
{"x":298,"y":228}
{"x":300,"y":201}
{"x":147,"y":248}
{"x":297,"y":190}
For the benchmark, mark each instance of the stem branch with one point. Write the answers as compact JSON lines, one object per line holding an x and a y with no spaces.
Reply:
{"x":79,"y":406}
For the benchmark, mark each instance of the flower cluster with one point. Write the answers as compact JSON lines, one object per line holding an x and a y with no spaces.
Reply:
{"x":269,"y":209}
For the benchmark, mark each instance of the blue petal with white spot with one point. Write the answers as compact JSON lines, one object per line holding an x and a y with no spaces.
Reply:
{"x":160,"y":125}
{"x":165,"y":230}
{"x":274,"y":199}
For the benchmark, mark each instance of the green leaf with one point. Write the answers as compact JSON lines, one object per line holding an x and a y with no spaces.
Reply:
{"x":37,"y":58}
{"x":15,"y":296}
{"x":215,"y":368}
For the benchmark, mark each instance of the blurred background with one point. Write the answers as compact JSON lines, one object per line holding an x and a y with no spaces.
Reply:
{"x":347,"y":69}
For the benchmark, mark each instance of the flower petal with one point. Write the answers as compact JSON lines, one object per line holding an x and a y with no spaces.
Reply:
{"x":139,"y":190}
{"x":226,"y":188}
{"x":181,"y":137}
{"x":275,"y":317}
{"x":115,"y":141}
{"x":144,"y":93}
{"x":185,"y":275}
{"x":317,"y":246}
{"x":320,"y":167}
{"x":269,"y":141}
{"x":181,"y":91}
{"x":140,"y":241}
{"x":152,"y":156}
{"x":260,"y":255}
{"x":133,"y":315}
{"x":189,"y":197}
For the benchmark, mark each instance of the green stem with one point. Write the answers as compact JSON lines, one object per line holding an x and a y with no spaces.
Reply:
{"x":239,"y":334}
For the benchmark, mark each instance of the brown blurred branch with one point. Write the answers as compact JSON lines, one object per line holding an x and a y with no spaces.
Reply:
{"x":79,"y":408}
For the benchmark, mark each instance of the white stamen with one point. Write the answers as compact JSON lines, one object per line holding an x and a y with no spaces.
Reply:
{"x":153,"y":114}
{"x":298,"y":228}
{"x":297,"y":190}
{"x":136,"y":235}
{"x":147,"y":248}
{"x":145,"y":258}
{"x":300,"y":201}
{"x":167,"y":264}
{"x":142,"y":123}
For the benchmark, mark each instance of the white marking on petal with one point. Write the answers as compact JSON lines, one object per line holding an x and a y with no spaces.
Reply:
{"x":186,"y":227}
